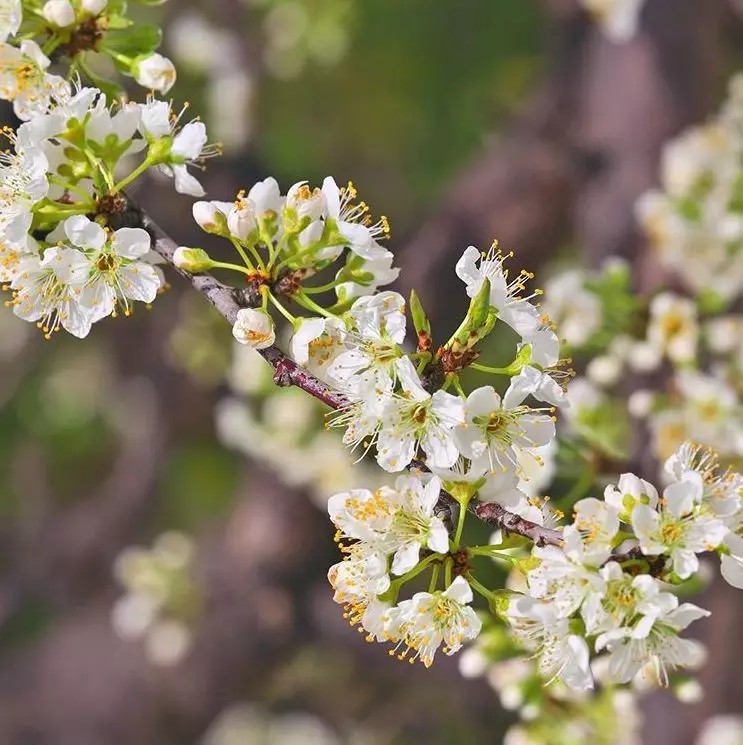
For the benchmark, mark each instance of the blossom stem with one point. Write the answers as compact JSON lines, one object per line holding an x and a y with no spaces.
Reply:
{"x":480,"y":588}
{"x":231,"y":267}
{"x":321,"y":288}
{"x":310,"y":304}
{"x":434,"y":577}
{"x":460,"y":525}
{"x":416,"y":570}
{"x":448,"y":566}
{"x":133,"y":176}
{"x":488,"y":369}
{"x":244,"y":256}
{"x":102,"y":170}
{"x":284,"y":312}
{"x":491,"y":551}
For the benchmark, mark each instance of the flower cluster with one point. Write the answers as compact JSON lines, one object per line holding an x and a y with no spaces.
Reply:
{"x":590,"y":599}
{"x":612,"y":576}
{"x":695,"y":221}
{"x":61,"y":255}
{"x":32,"y":33}
{"x":395,"y":525}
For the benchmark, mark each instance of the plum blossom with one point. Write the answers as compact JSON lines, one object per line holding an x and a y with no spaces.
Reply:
{"x":494,"y":426}
{"x":681,"y":528}
{"x":428,"y":620}
{"x":560,"y":655}
{"x":413,"y":418}
{"x":254,"y":328}
{"x":653,"y":644}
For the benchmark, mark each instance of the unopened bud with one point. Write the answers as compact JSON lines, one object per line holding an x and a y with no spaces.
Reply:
{"x":155,"y":72}
{"x":94,"y":7}
{"x":209,"y":217}
{"x":59,"y":13}
{"x":193,"y":260}
{"x":254,"y":328}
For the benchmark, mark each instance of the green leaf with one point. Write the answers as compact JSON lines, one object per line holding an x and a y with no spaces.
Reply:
{"x":132,"y":42}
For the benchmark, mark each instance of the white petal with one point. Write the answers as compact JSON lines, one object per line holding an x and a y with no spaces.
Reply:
{"x":139,"y":281}
{"x":185,"y":183}
{"x":84,"y":233}
{"x":131,"y":243}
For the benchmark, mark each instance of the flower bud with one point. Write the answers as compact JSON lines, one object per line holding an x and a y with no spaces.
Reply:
{"x":59,"y":13}
{"x":241,"y":219}
{"x":254,"y":328}
{"x":192,"y":260}
{"x":155,"y":72}
{"x":209,"y":217}
{"x":94,"y":7}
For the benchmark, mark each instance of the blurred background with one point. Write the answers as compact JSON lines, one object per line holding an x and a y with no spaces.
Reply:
{"x":163,"y":553}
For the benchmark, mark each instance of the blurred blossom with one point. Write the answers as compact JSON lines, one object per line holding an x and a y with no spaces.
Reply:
{"x":241,"y":724}
{"x":167,"y":642}
{"x":230,"y":105}
{"x":724,"y":729}
{"x":297,"y":34}
{"x":14,"y":334}
{"x":161,"y":600}
{"x":199,"y":46}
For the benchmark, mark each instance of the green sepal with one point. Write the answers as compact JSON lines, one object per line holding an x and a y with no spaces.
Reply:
{"x":478,"y":322}
{"x":420,"y":319}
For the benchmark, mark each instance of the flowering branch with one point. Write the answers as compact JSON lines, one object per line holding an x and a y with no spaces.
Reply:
{"x":228,"y":301}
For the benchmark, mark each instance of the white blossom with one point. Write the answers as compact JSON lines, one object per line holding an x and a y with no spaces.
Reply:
{"x":680,"y":528}
{"x":493,"y":426}
{"x":399,"y":521}
{"x":357,"y":582}
{"x":428,"y":620}
{"x":188,"y":145}
{"x":653,"y":644}
{"x":560,"y":655}
{"x":415,"y":418}
{"x":24,"y":80}
{"x":116,"y":272}
{"x":254,"y":328}
{"x":350,"y":220}
{"x":379,"y":324}
{"x":48,"y":291}
{"x":673,"y":328}
{"x":589,"y":538}
{"x":630,"y":491}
